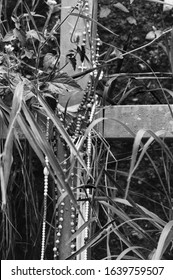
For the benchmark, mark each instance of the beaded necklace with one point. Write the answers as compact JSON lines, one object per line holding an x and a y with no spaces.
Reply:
{"x":89,"y":103}
{"x":75,"y":128}
{"x":46,"y":176}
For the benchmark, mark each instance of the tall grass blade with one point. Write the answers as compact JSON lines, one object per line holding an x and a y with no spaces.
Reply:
{"x":151,"y":216}
{"x":61,"y":130}
{"x":47,"y":150}
{"x":126,"y":219}
{"x":126,"y":251}
{"x":137,"y":143}
{"x":171,"y":50}
{"x":165,"y":239}
{"x":7,"y":158}
{"x":28,"y":134}
{"x":92,"y":20}
{"x":79,"y":230}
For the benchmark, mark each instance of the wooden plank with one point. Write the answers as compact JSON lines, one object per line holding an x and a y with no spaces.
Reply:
{"x":154,"y":117}
{"x":135,"y":117}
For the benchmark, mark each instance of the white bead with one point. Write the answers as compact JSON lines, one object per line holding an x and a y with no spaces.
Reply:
{"x":46,"y":171}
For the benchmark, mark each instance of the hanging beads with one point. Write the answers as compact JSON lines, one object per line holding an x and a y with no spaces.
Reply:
{"x":73,"y":227}
{"x":75,"y":128}
{"x":73,"y":213}
{"x":46,"y":175}
{"x":59,"y":216}
{"x":59,"y":226}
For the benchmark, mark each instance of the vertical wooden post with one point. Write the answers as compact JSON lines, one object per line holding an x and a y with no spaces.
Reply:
{"x":71,"y":33}
{"x":72,"y":29}
{"x":64,"y":246}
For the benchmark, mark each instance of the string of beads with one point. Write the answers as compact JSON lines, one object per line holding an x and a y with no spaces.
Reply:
{"x":76,"y":128}
{"x":46,"y":176}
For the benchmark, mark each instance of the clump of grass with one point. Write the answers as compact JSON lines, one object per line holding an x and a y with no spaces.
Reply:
{"x":31,"y":82}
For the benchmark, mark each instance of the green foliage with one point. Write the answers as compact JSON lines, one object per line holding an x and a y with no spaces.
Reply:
{"x":123,"y":215}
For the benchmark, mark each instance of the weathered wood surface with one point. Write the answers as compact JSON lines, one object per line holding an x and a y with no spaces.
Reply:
{"x":135,"y":117}
{"x":71,"y":30}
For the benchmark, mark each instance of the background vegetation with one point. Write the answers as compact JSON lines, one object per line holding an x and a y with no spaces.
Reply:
{"x":131,"y":204}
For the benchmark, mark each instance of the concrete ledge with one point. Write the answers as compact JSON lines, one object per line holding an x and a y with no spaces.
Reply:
{"x":135,"y":117}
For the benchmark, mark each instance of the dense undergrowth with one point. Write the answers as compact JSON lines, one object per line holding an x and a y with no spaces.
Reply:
{"x":130,"y":183}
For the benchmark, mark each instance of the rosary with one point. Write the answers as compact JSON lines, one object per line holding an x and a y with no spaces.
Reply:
{"x":65,"y":212}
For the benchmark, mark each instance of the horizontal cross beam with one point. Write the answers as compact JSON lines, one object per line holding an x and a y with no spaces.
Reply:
{"x":135,"y":117}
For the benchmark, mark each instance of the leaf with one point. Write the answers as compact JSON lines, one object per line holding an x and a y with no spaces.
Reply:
{"x":27,"y":132}
{"x":71,"y":57}
{"x":2,"y":124}
{"x":124,"y":253}
{"x":81,"y":51}
{"x":151,"y":35}
{"x":9,"y":36}
{"x":156,"y":219}
{"x":3,"y":70}
{"x":33,"y":14}
{"x":168,"y":5}
{"x":28,"y":53}
{"x":64,"y":78}
{"x":117,"y":53}
{"x":34,"y":34}
{"x":49,"y":61}
{"x":132,"y":20}
{"x":104,"y":11}
{"x":121,"y":7}
{"x":140,"y":134}
{"x":125,"y":218}
{"x":62,"y":131}
{"x":47,"y":150}
{"x":20,"y":35}
{"x":79,"y":230}
{"x":56,"y":88}
{"x":165,"y":239}
{"x":7,"y":158}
